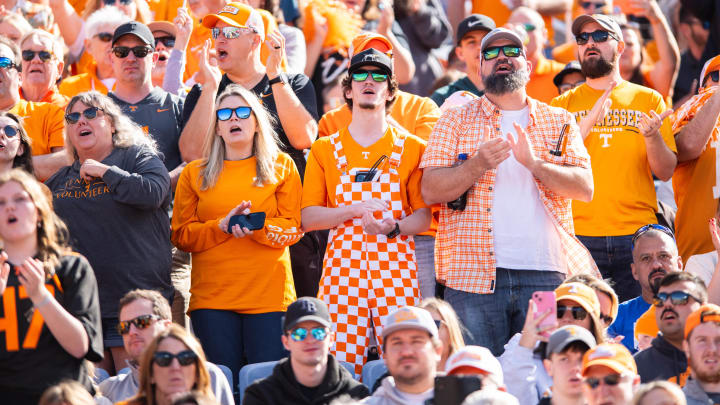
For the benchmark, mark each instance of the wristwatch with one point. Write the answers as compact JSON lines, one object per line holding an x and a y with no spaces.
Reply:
{"x":278,"y":79}
{"x":395,"y":232}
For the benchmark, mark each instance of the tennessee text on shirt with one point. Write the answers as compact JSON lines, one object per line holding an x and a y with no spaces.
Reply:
{"x":80,"y":188}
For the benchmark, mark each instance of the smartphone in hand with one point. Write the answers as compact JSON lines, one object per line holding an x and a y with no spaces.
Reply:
{"x":253,"y":221}
{"x":545,"y":300}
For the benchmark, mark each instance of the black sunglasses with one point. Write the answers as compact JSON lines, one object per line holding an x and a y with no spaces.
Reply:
{"x":511,"y":51}
{"x":138,"y":51}
{"x":676,"y":297}
{"x":29,"y":55}
{"x":611,"y":380}
{"x":241,"y":112}
{"x":89,"y":113}
{"x":104,"y":36}
{"x":141,"y":322}
{"x":714,"y":75}
{"x":169,"y":42}
{"x":112,"y":2}
{"x":597,"y":36}
{"x":10,"y":131}
{"x":7,"y":63}
{"x":185,"y":358}
{"x":588,"y":4}
{"x":645,"y":228}
{"x":578,"y":313}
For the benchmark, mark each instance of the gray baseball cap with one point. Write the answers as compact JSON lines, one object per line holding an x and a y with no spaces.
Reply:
{"x":606,"y":22}
{"x":501,"y":33}
{"x":409,"y":318}
{"x":565,"y":335}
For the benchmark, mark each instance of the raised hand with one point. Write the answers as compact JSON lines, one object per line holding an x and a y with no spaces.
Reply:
{"x":650,"y":124}
{"x":521,"y":148}
{"x":532,"y":331}
{"x":184,"y":25}
{"x":209,"y":74}
{"x":276,"y":43}
{"x":598,"y":112}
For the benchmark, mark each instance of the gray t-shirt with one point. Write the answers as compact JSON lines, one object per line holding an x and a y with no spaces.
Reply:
{"x":119,"y":222}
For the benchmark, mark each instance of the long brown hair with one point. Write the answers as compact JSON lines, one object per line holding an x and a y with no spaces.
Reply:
{"x":146,"y":389}
{"x":51,"y":230}
{"x":23,"y":160}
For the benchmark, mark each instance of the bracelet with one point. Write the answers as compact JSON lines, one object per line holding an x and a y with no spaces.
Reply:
{"x":44,"y":301}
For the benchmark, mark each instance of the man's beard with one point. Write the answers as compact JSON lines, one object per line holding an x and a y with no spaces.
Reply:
{"x":506,"y":83}
{"x":597,"y":67}
{"x":655,"y":285}
{"x":702,"y":376}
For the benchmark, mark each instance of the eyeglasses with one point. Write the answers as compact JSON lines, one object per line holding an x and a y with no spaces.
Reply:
{"x":529,"y":27}
{"x":169,"y":42}
{"x":569,"y":86}
{"x":7,"y":63}
{"x":362,"y":75}
{"x":231,"y":32}
{"x":676,"y":298}
{"x":138,"y":51}
{"x":104,"y":36}
{"x":112,"y":2}
{"x":300,"y":334}
{"x":588,"y":4}
{"x":185,"y":358}
{"x":89,"y":113}
{"x":578,"y":313}
{"x":29,"y":55}
{"x":648,"y":227}
{"x":141,"y":322}
{"x":598,"y":36}
{"x":611,"y":380}
{"x":225,"y":114}
{"x":10,"y":131}
{"x":714,"y":76}
{"x":510,"y":51}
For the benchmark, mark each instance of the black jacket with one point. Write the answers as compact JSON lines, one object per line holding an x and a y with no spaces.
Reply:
{"x":282,"y":388}
{"x":661,"y":361}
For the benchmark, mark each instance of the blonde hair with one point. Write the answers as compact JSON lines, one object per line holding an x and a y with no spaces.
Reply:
{"x":450,"y":318}
{"x":669,"y":387}
{"x":51,"y":230}
{"x":127,"y":133}
{"x":146,"y":386}
{"x":66,"y":393}
{"x":265,"y":143}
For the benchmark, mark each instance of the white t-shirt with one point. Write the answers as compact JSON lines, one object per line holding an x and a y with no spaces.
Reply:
{"x":525,"y":236}
{"x":702,"y":265}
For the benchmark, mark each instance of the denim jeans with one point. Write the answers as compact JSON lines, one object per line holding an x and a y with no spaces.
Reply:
{"x":233,"y":339}
{"x":425,"y":257}
{"x":492,"y":319}
{"x":613,"y":256}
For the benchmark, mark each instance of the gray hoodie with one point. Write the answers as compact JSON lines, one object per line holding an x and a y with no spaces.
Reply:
{"x":388,"y":394}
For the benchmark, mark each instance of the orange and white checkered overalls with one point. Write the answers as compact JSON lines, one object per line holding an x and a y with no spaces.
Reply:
{"x":366,"y":275}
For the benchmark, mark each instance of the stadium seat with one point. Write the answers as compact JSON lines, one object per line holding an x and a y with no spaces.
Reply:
{"x":372,"y":370}
{"x":227,"y":372}
{"x":251,"y":373}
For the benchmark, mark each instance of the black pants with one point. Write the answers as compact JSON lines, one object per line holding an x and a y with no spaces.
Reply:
{"x":306,"y":258}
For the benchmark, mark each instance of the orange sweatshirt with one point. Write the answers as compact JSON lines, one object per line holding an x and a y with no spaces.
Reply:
{"x":247,"y":275}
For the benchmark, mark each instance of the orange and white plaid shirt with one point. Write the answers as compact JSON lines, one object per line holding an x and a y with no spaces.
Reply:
{"x":464,"y":251}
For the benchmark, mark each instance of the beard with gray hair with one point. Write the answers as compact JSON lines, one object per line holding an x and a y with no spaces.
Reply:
{"x":506,"y":83}
{"x":599,"y":67}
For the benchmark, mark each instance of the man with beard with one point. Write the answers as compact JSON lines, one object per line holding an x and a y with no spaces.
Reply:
{"x":655,"y":254}
{"x":363,"y":184}
{"x":514,"y":234}
{"x":411,"y":349}
{"x":680,"y":294}
{"x":310,"y":375}
{"x":702,"y":334}
{"x":630,"y":136}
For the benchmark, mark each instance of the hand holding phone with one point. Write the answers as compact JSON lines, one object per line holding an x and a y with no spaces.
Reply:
{"x":252,"y":221}
{"x":541,"y":319}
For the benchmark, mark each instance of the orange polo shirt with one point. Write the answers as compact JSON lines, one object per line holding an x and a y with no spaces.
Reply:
{"x":44,"y":124}
{"x":53,"y":97}
{"x":541,"y":86}
{"x":82,"y":82}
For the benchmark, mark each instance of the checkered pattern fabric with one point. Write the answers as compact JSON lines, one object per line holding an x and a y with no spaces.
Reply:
{"x":464,"y":251}
{"x":366,"y":276}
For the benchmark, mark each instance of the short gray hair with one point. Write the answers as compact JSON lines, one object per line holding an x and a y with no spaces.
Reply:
{"x":108,"y":15}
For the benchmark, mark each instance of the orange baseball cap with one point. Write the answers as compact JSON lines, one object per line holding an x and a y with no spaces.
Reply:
{"x":368,"y":40}
{"x":706,"y":313}
{"x":580,"y":294}
{"x":711,"y":65}
{"x":237,"y":15}
{"x":646,"y":324}
{"x":613,"y":355}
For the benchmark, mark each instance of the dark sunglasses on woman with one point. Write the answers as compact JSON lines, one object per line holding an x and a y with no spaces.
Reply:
{"x":578,"y":313}
{"x":225,"y":114}
{"x":169,"y":42}
{"x":10,"y":131}
{"x":185,"y":358}
{"x":89,"y":113}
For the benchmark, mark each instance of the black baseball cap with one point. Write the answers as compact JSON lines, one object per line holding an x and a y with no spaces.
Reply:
{"x":138,"y":29}
{"x":474,"y":22}
{"x":306,"y":309}
{"x":371,"y":57}
{"x":571,"y":67}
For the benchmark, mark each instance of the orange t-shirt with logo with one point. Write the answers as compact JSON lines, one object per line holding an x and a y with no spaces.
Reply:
{"x":624,"y":198}
{"x":696,"y":184}
{"x":74,"y":85}
{"x":247,"y":275}
{"x":541,"y":86}
{"x":322,"y":174}
{"x":44,"y":124}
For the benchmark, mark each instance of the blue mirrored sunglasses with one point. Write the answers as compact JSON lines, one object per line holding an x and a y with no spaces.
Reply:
{"x":300,"y":334}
